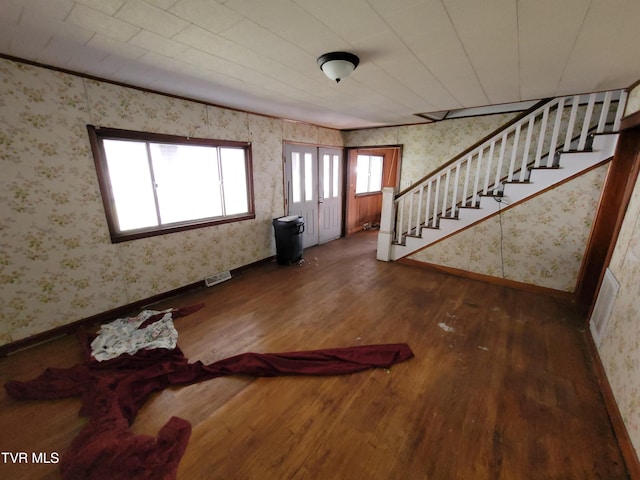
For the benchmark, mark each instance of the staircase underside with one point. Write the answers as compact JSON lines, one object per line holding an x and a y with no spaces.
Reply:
{"x":571,"y":164}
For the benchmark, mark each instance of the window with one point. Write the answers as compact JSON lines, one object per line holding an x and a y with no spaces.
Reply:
{"x":369,"y":174}
{"x":153,"y":184}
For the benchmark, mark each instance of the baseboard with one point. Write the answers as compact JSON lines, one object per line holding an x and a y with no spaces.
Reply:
{"x":112,"y":314}
{"x":624,"y":441}
{"x":503,"y":282}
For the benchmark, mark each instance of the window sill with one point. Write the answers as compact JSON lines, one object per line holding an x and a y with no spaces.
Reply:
{"x":368,"y":194}
{"x":119,"y":237}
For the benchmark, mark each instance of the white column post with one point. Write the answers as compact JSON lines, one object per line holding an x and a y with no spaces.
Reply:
{"x":387,"y":219}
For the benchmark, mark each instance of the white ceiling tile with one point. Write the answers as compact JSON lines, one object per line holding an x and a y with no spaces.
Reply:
{"x":426,"y":30}
{"x":29,"y":45}
{"x":157,"y":43}
{"x":149,"y":17}
{"x":59,"y":51}
{"x":10,"y":12}
{"x":50,"y":8}
{"x":111,"y":64}
{"x":210,"y":62}
{"x":298,"y":26}
{"x":386,"y":8}
{"x":259,"y":9}
{"x":115,"y":48}
{"x":349,"y":20}
{"x":204,"y":40}
{"x":390,"y":55}
{"x":32,"y":21}
{"x":488,"y":31}
{"x":163,"y":62}
{"x":257,"y":55}
{"x":605,"y":46}
{"x":209,"y":15}
{"x":102,"y":23}
{"x":6,"y":34}
{"x":547,"y":34}
{"x":164,"y":4}
{"x":84,"y":59}
{"x":265,"y":47}
{"x":109,"y":7}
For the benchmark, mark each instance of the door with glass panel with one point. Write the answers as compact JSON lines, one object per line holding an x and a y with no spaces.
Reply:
{"x":330,"y":196}
{"x":313,"y":191}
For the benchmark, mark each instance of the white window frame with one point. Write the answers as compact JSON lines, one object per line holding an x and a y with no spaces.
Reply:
{"x":369,"y":189}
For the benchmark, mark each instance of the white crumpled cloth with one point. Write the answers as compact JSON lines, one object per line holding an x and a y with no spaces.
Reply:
{"x":124,"y":336}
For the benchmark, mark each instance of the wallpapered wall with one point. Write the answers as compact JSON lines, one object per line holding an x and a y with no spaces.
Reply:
{"x":427,"y":146}
{"x":546,"y":252}
{"x":57,"y":264}
{"x":543,"y":239}
{"x":620,"y":347}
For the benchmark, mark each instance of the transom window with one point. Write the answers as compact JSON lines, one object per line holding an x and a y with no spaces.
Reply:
{"x":153,"y":184}
{"x":369,"y":174}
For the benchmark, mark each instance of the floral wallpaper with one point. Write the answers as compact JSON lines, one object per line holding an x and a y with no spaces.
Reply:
{"x":426,"y":146}
{"x":57,"y":264}
{"x":542,"y":242}
{"x":620,"y":347}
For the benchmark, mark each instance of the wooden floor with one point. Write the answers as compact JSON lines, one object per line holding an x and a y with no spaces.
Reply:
{"x":500,"y":386}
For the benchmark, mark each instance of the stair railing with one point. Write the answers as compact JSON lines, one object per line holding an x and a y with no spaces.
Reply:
{"x":561,"y":125}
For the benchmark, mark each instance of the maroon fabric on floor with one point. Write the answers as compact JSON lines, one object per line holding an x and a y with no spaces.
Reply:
{"x":114,"y":390}
{"x":107,"y":449}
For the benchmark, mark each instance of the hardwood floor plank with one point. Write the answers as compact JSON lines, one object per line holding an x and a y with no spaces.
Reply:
{"x":500,"y":387}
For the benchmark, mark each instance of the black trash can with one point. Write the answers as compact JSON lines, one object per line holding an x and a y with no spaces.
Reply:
{"x":289,"y":232}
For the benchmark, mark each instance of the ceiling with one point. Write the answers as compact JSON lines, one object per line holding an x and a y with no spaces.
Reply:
{"x":416,"y":56}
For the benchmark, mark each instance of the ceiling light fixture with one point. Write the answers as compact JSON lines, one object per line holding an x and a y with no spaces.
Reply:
{"x":338,"y":65}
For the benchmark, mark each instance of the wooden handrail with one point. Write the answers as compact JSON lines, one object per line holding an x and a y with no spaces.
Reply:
{"x":488,"y":137}
{"x":506,"y":155}
{"x":511,"y":122}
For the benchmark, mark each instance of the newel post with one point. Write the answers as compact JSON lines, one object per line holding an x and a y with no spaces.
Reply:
{"x":385,"y":236}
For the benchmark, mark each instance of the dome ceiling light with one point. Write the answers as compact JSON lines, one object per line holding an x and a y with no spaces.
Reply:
{"x":338,"y":65}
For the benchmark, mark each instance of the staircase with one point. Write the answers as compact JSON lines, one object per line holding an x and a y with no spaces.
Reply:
{"x":551,"y":143}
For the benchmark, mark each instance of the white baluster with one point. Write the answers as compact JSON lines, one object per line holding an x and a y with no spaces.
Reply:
{"x":620,"y":111}
{"x":454,"y":200}
{"x":487,"y":167}
{"x":410,"y":195}
{"x":587,"y":122}
{"x":426,"y":208}
{"x":435,"y":202}
{"x":556,"y":132}
{"x":399,"y":230}
{"x":543,"y":134}
{"x":503,"y":146}
{"x":604,"y":112}
{"x":467,"y":173}
{"x":525,"y":153}
{"x":445,"y":194}
{"x":419,"y":210}
{"x":514,"y":153}
{"x":572,"y":122}
{"x":476,"y":181}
